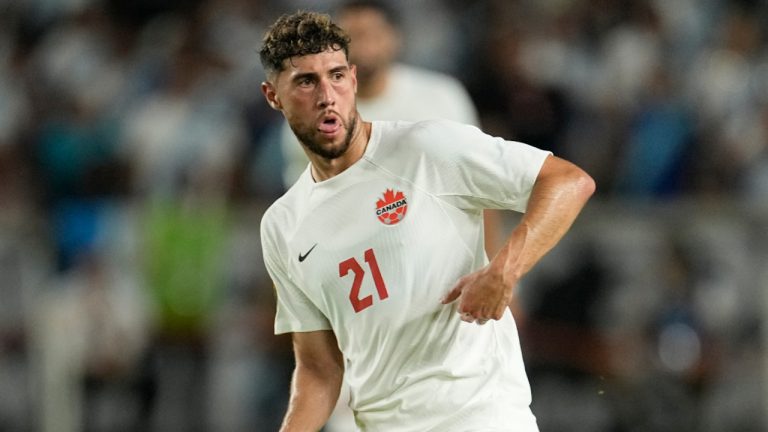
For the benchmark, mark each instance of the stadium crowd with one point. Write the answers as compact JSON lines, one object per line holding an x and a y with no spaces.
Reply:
{"x":137,"y":155}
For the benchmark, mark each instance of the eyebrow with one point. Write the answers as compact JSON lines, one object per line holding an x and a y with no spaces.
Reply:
{"x":339,"y":68}
{"x":301,"y":76}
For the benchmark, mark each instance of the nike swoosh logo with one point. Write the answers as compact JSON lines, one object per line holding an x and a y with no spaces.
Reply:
{"x":303,"y":257}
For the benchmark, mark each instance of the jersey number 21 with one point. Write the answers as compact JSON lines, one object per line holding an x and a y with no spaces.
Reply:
{"x":352,"y":265}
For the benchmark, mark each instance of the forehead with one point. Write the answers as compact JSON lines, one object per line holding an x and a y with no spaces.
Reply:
{"x":314,"y":63}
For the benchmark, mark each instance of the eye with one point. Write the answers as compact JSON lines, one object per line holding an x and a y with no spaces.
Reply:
{"x":337,"y":76}
{"x":305,"y":82}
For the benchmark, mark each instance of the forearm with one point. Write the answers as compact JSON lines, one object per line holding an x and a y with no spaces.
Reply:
{"x":554,"y":204}
{"x":313,"y":396}
{"x":559,"y":194}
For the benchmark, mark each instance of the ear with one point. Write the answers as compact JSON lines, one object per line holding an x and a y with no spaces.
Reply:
{"x":270,"y":93}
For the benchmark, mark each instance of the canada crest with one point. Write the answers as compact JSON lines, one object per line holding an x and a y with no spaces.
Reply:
{"x":391,"y":207}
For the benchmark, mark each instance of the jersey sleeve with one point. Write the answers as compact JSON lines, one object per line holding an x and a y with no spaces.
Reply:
{"x":295,"y":311}
{"x":472,"y":170}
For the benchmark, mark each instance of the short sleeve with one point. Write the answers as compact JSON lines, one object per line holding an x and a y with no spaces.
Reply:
{"x":295,"y":311}
{"x":472,"y":170}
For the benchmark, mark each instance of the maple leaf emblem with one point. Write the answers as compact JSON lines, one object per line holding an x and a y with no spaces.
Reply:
{"x":391,"y":207}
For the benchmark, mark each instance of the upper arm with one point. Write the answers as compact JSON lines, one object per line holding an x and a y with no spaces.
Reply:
{"x":296,"y":311}
{"x":466,"y":167}
{"x":318,"y":351}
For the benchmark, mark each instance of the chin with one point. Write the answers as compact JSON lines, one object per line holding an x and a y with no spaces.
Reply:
{"x":329,"y":150}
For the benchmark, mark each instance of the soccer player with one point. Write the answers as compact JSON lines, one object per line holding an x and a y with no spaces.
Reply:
{"x":377,"y":255}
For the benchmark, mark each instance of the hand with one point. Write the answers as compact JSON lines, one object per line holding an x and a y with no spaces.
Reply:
{"x":483,"y":295}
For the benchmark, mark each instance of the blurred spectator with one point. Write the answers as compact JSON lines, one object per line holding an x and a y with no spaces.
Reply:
{"x":233,"y":30}
{"x":186,"y":134}
{"x":567,"y":355}
{"x":250,"y":366}
{"x":727,"y":87}
{"x":656,"y":159}
{"x":23,"y":267}
{"x":183,"y":261}
{"x":92,"y":336}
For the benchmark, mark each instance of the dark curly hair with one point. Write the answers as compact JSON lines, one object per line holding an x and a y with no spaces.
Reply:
{"x":300,"y":34}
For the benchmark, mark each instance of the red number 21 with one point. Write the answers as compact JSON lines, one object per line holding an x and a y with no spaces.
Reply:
{"x":352,"y":265}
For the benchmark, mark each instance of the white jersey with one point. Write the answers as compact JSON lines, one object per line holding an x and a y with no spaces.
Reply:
{"x":370,"y":252}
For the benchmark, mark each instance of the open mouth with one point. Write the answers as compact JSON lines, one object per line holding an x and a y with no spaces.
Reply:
{"x":329,"y":124}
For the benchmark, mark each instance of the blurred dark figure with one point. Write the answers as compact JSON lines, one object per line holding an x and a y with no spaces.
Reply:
{"x":91,"y":335}
{"x":681,"y":354}
{"x":515,"y":107}
{"x":79,"y":166}
{"x":656,"y":160}
{"x":80,"y":171}
{"x":567,"y":357}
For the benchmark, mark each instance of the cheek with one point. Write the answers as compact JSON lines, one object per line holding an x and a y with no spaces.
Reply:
{"x":296,"y":104}
{"x":347,"y":92}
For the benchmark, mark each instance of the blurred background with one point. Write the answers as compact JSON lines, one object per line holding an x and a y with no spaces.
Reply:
{"x":137,"y":156}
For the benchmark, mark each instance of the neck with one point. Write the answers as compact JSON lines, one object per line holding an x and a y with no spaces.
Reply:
{"x":324,"y":169}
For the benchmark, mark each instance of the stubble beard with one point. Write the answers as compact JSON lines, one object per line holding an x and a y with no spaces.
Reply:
{"x":307,"y":139}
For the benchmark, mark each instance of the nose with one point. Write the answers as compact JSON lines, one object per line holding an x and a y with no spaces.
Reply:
{"x":325,"y":94}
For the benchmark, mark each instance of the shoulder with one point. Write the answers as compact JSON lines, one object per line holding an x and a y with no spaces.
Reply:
{"x":423,"y":131}
{"x":430,"y":130}
{"x":439,"y":138}
{"x":445,"y":141}
{"x":271,"y":221}
{"x":281,"y":218}
{"x":443,"y":133}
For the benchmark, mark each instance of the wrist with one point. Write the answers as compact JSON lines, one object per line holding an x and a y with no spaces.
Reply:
{"x":508,"y":262}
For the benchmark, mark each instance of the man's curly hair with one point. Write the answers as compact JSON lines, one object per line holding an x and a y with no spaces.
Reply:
{"x":300,"y":34}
